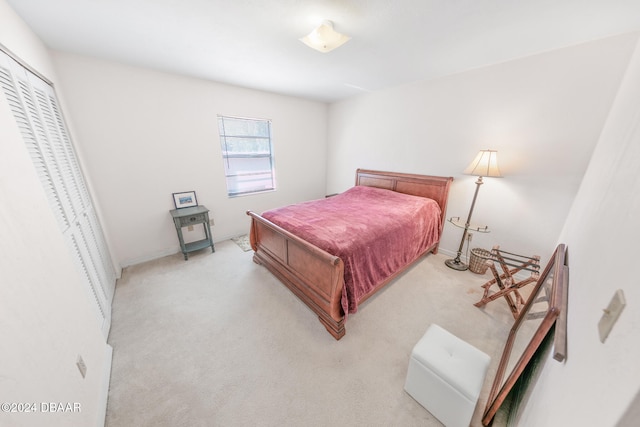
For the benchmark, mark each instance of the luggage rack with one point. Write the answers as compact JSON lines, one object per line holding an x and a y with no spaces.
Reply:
{"x":508,"y":286}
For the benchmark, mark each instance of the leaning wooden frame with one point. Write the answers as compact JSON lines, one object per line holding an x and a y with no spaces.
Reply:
{"x":315,"y":276}
{"x":544,"y":305}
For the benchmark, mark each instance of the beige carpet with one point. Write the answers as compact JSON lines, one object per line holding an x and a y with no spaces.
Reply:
{"x":218,"y":341}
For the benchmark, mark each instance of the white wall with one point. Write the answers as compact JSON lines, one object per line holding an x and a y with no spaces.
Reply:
{"x":146,"y":134}
{"x":542,"y":113}
{"x":45,"y":317}
{"x":598,"y":380}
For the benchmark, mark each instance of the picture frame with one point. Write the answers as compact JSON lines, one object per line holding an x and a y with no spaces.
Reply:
{"x":185,"y":199}
{"x":532,"y":326}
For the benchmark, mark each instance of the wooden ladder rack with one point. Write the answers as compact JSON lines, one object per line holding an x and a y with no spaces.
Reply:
{"x":508,"y":286}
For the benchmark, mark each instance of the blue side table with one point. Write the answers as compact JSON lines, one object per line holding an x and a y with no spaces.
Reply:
{"x":185,"y":217}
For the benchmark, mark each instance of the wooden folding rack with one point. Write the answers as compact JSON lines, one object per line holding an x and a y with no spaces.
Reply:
{"x":508,"y":286}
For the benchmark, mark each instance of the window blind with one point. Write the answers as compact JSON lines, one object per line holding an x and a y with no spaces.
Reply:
{"x":248,"y":155}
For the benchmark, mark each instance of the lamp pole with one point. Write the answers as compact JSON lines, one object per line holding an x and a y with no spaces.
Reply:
{"x":455,"y":263}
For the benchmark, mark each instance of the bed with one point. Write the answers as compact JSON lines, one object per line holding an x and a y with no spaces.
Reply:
{"x":336,"y":252}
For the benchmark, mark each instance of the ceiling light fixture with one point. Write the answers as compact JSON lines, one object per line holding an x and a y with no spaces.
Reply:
{"x":324,"y":38}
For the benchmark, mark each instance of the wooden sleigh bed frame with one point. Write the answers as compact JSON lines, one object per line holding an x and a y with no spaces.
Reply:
{"x":315,"y":276}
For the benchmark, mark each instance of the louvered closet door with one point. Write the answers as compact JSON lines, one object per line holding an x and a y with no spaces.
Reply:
{"x":37,"y":113}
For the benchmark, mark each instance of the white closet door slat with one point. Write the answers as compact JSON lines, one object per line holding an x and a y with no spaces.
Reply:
{"x":59,"y":151}
{"x":74,"y":165}
{"x":40,"y":121}
{"x":98,"y":302}
{"x":27,"y":130}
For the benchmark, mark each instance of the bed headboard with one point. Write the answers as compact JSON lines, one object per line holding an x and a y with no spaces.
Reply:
{"x":433,"y":187}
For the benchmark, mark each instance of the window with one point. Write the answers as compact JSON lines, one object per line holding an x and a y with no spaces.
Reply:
{"x":247,"y":155}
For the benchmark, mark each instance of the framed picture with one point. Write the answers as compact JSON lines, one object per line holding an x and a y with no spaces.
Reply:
{"x":185,"y":199}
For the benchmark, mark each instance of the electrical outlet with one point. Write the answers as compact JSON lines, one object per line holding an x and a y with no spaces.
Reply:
{"x":211,"y":222}
{"x":81,"y":366}
{"x":190,"y":228}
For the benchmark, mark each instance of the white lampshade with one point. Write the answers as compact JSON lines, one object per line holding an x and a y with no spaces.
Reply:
{"x":325,"y":38}
{"x":485,"y":164}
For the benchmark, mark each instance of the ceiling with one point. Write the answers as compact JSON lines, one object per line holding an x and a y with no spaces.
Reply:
{"x":255,"y":43}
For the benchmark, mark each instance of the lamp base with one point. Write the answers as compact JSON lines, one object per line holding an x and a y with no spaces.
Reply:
{"x":456,"y":264}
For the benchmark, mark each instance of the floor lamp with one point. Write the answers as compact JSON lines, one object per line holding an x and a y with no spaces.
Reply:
{"x":485,"y":164}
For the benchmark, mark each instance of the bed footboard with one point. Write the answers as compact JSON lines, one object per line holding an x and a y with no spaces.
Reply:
{"x":313,"y":275}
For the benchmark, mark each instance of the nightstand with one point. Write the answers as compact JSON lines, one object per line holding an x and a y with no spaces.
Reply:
{"x":185,"y":217}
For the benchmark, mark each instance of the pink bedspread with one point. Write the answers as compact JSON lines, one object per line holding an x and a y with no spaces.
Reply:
{"x":375,"y":232}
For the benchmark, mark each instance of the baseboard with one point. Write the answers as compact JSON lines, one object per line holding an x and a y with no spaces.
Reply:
{"x":104,"y":394}
{"x":164,"y":253}
{"x":151,"y":257}
{"x":518,"y":276}
{"x":452,"y":254}
{"x":447,"y":252}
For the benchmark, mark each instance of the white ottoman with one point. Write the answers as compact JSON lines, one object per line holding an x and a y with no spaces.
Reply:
{"x":445,"y":376}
